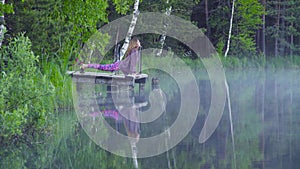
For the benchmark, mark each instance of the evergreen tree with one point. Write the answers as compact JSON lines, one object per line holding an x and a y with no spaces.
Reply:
{"x":283,"y":26}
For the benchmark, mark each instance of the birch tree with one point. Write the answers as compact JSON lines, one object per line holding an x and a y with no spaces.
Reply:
{"x":227,"y":86}
{"x":247,"y":20}
{"x":2,"y":28}
{"x":230,"y":29}
{"x":131,"y":29}
{"x":163,"y":36}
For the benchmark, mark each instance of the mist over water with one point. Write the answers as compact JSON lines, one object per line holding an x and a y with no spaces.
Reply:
{"x":266,"y":119}
{"x":265,"y":108}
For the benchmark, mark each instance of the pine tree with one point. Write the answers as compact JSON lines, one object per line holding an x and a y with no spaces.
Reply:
{"x":284,"y":25}
{"x":291,"y":25}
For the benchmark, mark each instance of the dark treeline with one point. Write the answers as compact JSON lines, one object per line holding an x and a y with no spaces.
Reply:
{"x":270,"y":28}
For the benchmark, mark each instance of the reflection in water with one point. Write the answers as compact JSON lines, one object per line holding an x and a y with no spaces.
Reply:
{"x":130,"y":120}
{"x":129,"y":117}
{"x":125,"y":108}
{"x":131,"y":124}
{"x":266,"y":117}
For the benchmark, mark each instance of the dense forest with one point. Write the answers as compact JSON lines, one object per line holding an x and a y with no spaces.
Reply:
{"x":40,"y":40}
{"x":267,"y":28}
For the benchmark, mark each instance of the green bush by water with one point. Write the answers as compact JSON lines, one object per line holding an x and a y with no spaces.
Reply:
{"x":26,"y":97}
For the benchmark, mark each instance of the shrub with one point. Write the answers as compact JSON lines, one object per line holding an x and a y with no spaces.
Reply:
{"x":25,"y":94}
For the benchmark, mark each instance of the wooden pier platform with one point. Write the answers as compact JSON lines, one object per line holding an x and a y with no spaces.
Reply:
{"x":106,"y":78}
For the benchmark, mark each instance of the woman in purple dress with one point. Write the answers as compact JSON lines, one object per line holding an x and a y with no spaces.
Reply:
{"x":127,"y":66}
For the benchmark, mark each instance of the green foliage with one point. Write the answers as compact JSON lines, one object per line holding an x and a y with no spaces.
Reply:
{"x":6,"y":8}
{"x":122,"y":6}
{"x":182,"y":9}
{"x":35,"y":19}
{"x":249,"y":14}
{"x":219,"y":20}
{"x":220,"y":46}
{"x":12,"y":159}
{"x":242,"y":45}
{"x":26,"y":95}
{"x":278,"y":63}
{"x":259,"y":62}
{"x":94,"y":49}
{"x":65,"y":27}
{"x":58,"y":35}
{"x":247,"y":21}
{"x":61,"y":82}
{"x":82,"y":17}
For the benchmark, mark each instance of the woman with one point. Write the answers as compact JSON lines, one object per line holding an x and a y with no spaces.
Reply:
{"x":127,"y":66}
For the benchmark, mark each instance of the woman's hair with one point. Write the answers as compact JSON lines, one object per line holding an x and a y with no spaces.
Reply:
{"x":132,"y":44}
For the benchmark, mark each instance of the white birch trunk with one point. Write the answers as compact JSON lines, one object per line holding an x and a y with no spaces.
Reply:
{"x":230,"y":29}
{"x":164,"y":36}
{"x":263,"y":120}
{"x":227,"y":87}
{"x":130,"y":30}
{"x":134,"y":154}
{"x":231,"y":122}
{"x":2,"y":28}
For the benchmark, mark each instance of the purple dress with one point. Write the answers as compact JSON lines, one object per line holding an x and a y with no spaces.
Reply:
{"x":127,"y":66}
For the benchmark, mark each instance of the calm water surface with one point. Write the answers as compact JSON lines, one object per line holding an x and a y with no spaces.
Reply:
{"x":266,"y":122}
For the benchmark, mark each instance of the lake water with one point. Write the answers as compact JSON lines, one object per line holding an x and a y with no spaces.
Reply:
{"x":265,"y":119}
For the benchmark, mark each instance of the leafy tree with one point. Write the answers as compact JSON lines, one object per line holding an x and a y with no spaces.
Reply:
{"x":61,"y":26}
{"x":247,"y":20}
{"x":218,"y":21}
{"x":25,"y":97}
{"x":246,"y":23}
{"x":58,"y":30}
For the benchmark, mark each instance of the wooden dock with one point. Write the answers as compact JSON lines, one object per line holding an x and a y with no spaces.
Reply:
{"x":107,"y":78}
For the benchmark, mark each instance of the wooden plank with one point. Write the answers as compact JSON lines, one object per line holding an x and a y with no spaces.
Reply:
{"x":100,"y":74}
{"x":107,"y":78}
{"x":84,"y":80}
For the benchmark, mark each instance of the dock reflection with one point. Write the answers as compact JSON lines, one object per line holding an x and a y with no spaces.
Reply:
{"x":119,"y":105}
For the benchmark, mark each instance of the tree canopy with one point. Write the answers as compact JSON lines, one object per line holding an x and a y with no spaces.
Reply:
{"x":53,"y":25}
